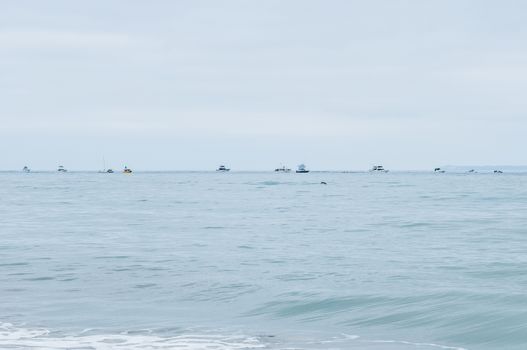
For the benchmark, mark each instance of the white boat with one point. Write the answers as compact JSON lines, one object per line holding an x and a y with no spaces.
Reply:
{"x":302,"y":169}
{"x":126,"y":170}
{"x":61,"y":169}
{"x":282,"y":169}
{"x":26,"y":169}
{"x":223,"y":168}
{"x":378,"y":169}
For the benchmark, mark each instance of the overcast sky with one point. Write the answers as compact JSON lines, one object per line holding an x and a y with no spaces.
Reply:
{"x":253,"y":84}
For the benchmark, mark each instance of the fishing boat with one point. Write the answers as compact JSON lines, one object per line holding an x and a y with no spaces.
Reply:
{"x":302,"y":169}
{"x":126,"y":170}
{"x":223,"y":168}
{"x":439,"y":170}
{"x":282,"y":169}
{"x":26,"y":169}
{"x":378,"y":169}
{"x":61,"y":169}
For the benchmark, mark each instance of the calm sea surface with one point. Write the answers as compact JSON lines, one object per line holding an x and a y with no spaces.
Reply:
{"x":263,"y":260}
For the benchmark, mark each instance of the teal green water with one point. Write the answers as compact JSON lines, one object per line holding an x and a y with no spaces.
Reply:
{"x":263,"y":260}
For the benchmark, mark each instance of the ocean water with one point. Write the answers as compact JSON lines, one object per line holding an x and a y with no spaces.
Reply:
{"x":263,"y":261}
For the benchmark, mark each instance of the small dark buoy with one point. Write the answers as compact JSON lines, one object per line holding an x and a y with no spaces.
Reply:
{"x":323,"y":183}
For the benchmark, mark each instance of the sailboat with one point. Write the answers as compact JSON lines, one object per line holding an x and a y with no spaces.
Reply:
{"x":104,"y":170}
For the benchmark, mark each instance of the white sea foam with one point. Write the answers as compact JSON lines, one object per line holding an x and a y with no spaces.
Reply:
{"x":13,"y":337}
{"x":432,"y":345}
{"x":346,"y":338}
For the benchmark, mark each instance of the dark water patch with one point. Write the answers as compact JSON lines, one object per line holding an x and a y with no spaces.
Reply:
{"x":190,"y":284}
{"x":69,"y":279}
{"x":145,"y":285}
{"x":491,"y":198}
{"x":274,"y":261}
{"x":65,"y":268}
{"x":14,"y":264}
{"x":452,"y":267}
{"x":292,"y":277}
{"x":156,"y":268}
{"x":400,"y":277}
{"x":415,"y":225}
{"x":298,"y":295}
{"x":262,"y":184}
{"x":36,"y":279}
{"x":269,"y":183}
